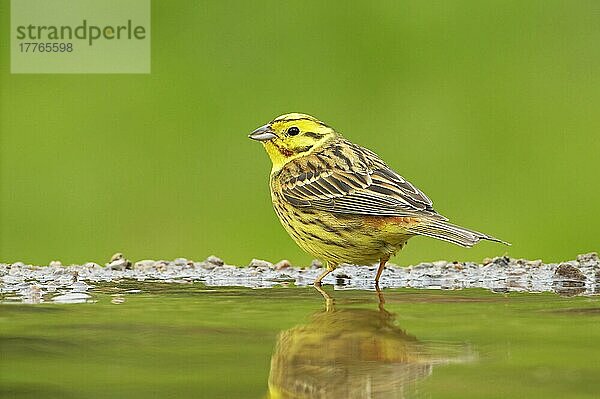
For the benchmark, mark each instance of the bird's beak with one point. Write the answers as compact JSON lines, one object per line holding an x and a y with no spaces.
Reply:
{"x":263,"y":133}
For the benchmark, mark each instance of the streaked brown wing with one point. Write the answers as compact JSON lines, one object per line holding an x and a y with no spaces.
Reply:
{"x":361,"y":186}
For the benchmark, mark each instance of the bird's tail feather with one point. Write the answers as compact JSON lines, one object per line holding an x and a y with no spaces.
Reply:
{"x":443,"y":230}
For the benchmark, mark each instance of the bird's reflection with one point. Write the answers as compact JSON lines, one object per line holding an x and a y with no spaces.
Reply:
{"x":354,"y":353}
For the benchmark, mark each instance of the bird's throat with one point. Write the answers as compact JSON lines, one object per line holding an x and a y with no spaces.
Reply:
{"x":279,"y":155}
{"x":284,"y":151}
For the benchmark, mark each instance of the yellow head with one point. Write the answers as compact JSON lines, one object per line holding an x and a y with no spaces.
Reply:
{"x":291,"y":136}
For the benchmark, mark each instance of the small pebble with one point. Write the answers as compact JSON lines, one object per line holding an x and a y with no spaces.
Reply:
{"x":260,"y":263}
{"x":207,"y":265}
{"x":181,"y":262}
{"x":215,"y":260}
{"x":162,"y":266}
{"x":282,"y":264}
{"x":117,"y":300}
{"x":74,"y":297}
{"x":502,"y":261}
{"x":118,"y":262}
{"x":144,"y":265}
{"x":570,"y":272}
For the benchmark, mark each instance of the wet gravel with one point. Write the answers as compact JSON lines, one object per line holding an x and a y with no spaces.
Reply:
{"x":57,"y":283}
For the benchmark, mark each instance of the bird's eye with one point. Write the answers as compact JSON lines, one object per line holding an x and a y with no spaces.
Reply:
{"x":293,"y":131}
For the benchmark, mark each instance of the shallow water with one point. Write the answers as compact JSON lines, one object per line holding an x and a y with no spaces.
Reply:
{"x":140,"y":340}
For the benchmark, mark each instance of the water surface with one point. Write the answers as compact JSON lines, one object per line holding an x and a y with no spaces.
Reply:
{"x":149,"y":340}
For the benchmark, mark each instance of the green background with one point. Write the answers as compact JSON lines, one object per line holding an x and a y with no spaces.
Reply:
{"x":491,"y":108}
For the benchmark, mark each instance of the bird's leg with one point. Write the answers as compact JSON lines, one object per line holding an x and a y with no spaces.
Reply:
{"x":328,"y":299}
{"x":329,"y":268}
{"x":381,"y":305}
{"x":380,"y":298}
{"x":382,"y":263}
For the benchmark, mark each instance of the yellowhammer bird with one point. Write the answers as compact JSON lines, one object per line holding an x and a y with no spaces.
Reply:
{"x":340,"y":202}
